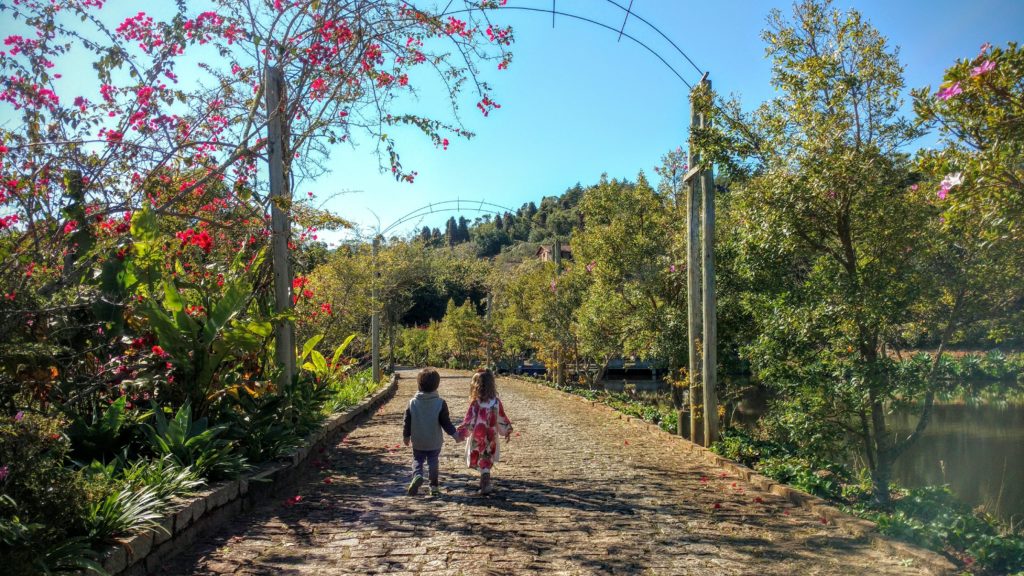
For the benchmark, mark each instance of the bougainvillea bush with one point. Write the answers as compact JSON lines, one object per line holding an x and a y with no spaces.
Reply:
{"x":135,"y":297}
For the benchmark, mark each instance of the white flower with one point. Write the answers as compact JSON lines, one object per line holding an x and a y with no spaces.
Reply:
{"x":952,"y":180}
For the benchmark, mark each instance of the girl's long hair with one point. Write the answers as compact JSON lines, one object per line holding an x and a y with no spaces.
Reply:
{"x":483,"y":387}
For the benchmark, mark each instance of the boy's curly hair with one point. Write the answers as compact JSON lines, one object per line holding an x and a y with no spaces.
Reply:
{"x":484,"y":387}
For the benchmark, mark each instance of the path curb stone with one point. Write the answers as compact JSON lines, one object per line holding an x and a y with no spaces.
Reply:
{"x":141,"y":554}
{"x":932,"y":562}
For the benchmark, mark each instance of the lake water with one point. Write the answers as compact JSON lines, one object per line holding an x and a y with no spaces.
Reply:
{"x":977,"y":450}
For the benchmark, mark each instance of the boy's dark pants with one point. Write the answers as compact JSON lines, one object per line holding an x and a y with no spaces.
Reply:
{"x":430,"y":456}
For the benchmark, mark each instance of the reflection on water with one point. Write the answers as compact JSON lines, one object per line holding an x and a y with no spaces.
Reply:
{"x":977,"y":450}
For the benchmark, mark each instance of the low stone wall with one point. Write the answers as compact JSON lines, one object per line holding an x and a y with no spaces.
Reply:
{"x":929,"y":561}
{"x":210,"y":509}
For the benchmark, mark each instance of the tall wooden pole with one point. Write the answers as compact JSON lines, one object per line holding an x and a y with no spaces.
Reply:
{"x":280,"y":207}
{"x":693,"y":287}
{"x":710,"y":298}
{"x":375,"y":319}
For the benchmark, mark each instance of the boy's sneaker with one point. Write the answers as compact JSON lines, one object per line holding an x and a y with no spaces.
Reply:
{"x":414,"y":486}
{"x":435,"y":491}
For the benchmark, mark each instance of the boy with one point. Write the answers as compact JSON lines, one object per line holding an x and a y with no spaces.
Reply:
{"x":425,"y":418}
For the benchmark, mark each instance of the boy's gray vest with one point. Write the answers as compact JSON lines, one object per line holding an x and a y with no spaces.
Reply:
{"x":425,"y":409}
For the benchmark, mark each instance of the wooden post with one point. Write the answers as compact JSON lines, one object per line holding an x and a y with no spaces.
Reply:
{"x":280,"y":208}
{"x":710,"y":355}
{"x":375,"y":319}
{"x":391,"y":345}
{"x":693,"y":288}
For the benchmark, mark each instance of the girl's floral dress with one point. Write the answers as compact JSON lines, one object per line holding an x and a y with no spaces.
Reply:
{"x":484,"y":423}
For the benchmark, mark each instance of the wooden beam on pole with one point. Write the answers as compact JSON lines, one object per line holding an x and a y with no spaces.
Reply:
{"x":694,"y":171}
{"x":710,"y":299}
{"x":280,"y":209}
{"x":375,"y":319}
{"x":693,"y":298}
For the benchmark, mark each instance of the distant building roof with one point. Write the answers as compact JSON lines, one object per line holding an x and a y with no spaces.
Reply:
{"x":545,"y":250}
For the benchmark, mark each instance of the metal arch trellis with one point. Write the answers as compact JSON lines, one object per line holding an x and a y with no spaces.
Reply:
{"x":700,"y":225}
{"x":481,"y":206}
{"x":716,"y":102}
{"x":620,"y":31}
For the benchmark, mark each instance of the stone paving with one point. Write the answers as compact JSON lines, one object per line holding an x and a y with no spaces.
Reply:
{"x":578,"y":493}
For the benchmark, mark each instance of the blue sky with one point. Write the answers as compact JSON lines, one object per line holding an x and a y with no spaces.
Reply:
{"x":576,"y":103}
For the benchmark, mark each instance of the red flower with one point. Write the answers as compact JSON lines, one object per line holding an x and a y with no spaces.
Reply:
{"x":159,"y":351}
{"x":328,"y":480}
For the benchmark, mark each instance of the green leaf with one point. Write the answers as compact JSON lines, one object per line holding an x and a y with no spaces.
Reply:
{"x":172,"y":299}
{"x":319,"y":362}
{"x":310,"y":345}
{"x":236,"y":295}
{"x":341,"y":349}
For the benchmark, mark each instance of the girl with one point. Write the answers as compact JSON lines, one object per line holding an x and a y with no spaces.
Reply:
{"x":485,"y":420}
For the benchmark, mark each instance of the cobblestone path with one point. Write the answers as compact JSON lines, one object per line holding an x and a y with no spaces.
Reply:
{"x":578,"y":493}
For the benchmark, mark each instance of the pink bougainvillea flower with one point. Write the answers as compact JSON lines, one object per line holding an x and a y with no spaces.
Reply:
{"x":672,"y":268}
{"x":293,"y":500}
{"x":984,"y":67}
{"x":18,"y":417}
{"x":985,"y":48}
{"x":942,"y":193}
{"x":4,"y":471}
{"x":913,"y":187}
{"x":949,"y":92}
{"x":159,"y":351}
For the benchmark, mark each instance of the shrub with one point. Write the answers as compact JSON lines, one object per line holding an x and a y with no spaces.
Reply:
{"x":348,"y":392}
{"x":933,"y":517}
{"x":739,"y":445}
{"x":121,"y":512}
{"x":258,"y":422}
{"x":195,"y":444}
{"x":104,"y":431}
{"x":33,"y":453}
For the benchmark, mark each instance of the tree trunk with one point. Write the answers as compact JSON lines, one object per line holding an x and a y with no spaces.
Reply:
{"x":882,"y":473}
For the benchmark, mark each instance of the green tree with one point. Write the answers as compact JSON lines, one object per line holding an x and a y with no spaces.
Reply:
{"x":975,"y":182}
{"x":832,"y":230}
{"x":623,"y":250}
